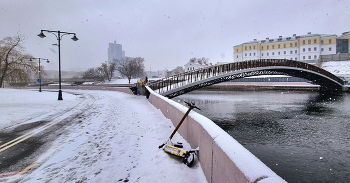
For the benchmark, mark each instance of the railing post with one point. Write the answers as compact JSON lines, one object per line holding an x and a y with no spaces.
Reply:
{"x":167,"y":84}
{"x":177,"y":80}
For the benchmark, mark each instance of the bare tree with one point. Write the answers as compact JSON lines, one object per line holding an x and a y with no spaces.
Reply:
{"x":202,"y":60}
{"x":131,"y":67}
{"x":93,"y":73}
{"x":14,"y":64}
{"x":104,"y":72}
{"x":108,"y":70}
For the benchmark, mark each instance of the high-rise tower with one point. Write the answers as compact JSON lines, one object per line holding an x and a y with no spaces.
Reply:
{"x":115,"y":51}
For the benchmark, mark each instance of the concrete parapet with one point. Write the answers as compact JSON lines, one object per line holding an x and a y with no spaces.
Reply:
{"x":221,"y":157}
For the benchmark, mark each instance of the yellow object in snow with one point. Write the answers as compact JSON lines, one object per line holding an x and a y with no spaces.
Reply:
{"x":174,"y":150}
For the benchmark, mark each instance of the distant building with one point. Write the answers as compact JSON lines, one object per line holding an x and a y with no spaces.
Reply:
{"x":306,"y":48}
{"x":177,"y":70}
{"x":115,"y":51}
{"x":196,"y":64}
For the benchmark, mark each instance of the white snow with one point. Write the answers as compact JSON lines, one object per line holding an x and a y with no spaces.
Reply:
{"x":116,"y":139}
{"x":337,"y":67}
{"x":121,"y":81}
{"x":250,"y":165}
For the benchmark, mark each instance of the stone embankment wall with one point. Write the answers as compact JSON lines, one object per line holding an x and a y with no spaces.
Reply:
{"x":221,"y":157}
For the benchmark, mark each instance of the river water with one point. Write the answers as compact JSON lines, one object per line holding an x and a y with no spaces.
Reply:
{"x":302,"y":136}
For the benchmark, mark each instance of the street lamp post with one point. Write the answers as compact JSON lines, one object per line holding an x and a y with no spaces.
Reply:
{"x":47,"y":60}
{"x":59,"y":37}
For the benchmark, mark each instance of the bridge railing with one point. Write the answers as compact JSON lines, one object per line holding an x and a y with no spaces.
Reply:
{"x":175,"y":81}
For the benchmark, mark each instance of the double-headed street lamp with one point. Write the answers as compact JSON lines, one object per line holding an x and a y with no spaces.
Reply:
{"x":59,"y":37}
{"x":47,"y":60}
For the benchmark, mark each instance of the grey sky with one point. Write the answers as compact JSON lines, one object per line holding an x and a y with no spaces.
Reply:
{"x":165,"y":33}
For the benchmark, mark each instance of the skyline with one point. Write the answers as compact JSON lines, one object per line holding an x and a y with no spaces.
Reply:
{"x":165,"y":33}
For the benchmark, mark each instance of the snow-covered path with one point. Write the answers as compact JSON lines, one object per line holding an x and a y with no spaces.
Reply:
{"x":115,"y":141}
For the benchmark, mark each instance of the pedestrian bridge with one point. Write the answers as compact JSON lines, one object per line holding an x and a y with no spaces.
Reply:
{"x":176,"y":85}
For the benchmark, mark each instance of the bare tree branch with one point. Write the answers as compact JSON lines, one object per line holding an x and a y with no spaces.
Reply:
{"x":130,"y":67}
{"x":14,"y":63}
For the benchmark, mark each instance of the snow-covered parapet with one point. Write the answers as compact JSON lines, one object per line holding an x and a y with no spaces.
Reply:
{"x":222,"y":158}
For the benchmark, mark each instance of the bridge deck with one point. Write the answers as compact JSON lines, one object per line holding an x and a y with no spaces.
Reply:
{"x":173,"y":86}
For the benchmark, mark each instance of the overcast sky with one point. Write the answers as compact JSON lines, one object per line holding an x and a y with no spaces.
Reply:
{"x":165,"y":33}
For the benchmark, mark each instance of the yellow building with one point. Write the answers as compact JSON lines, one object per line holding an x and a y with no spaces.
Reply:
{"x":307,"y":48}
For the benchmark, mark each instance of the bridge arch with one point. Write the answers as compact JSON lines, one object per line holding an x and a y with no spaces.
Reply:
{"x":192,"y":80}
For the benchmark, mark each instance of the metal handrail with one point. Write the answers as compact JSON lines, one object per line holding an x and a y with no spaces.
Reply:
{"x":175,"y":81}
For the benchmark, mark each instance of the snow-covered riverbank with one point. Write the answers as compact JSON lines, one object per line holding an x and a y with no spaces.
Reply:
{"x":115,"y":141}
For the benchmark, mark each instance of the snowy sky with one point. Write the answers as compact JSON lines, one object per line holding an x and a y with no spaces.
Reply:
{"x":166,"y":33}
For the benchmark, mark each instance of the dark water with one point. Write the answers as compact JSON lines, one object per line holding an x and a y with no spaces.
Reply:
{"x":302,"y":136}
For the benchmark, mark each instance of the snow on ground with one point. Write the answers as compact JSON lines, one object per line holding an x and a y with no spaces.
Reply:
{"x":121,"y":81}
{"x":116,"y":141}
{"x":18,"y":106}
{"x":337,"y":67}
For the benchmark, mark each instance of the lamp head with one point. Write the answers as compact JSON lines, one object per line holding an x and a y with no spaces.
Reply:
{"x":41,"y":35}
{"x":74,"y":38}
{"x":47,"y":61}
{"x":30,"y":59}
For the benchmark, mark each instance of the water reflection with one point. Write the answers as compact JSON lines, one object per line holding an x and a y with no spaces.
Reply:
{"x":302,"y":136}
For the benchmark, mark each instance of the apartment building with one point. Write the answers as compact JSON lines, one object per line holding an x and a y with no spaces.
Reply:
{"x":305,"y":48}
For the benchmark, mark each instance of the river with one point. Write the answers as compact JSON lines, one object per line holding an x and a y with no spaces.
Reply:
{"x":302,"y":136}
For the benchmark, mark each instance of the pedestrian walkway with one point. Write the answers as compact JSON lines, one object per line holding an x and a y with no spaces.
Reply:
{"x":116,"y":140}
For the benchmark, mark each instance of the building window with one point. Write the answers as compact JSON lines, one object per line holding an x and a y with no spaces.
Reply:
{"x":296,"y":44}
{"x":303,"y":49}
{"x":245,"y":48}
{"x":296,"y":51}
{"x":309,"y":41}
{"x":284,"y":52}
{"x":321,"y":49}
{"x":245,"y":54}
{"x":237,"y":56}
{"x":284,"y":45}
{"x":273,"y":53}
{"x":254,"y":54}
{"x":279,"y":53}
{"x":315,"y":56}
{"x":330,"y":41}
{"x":254,"y":47}
{"x":330,"y":48}
{"x":262,"y":47}
{"x":303,"y":41}
{"x":321,"y":41}
{"x":267,"y":47}
{"x":273,"y":46}
{"x":309,"y":57}
{"x":296,"y":58}
{"x":250,"y":47}
{"x":291,"y":52}
{"x":267,"y":54}
{"x":291,"y":45}
{"x":303,"y":57}
{"x":262,"y":54}
{"x":279,"y":46}
{"x":250,"y":54}
{"x":237,"y":50}
{"x":309,"y":49}
{"x":315,"y":48}
{"x":315,"y":41}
